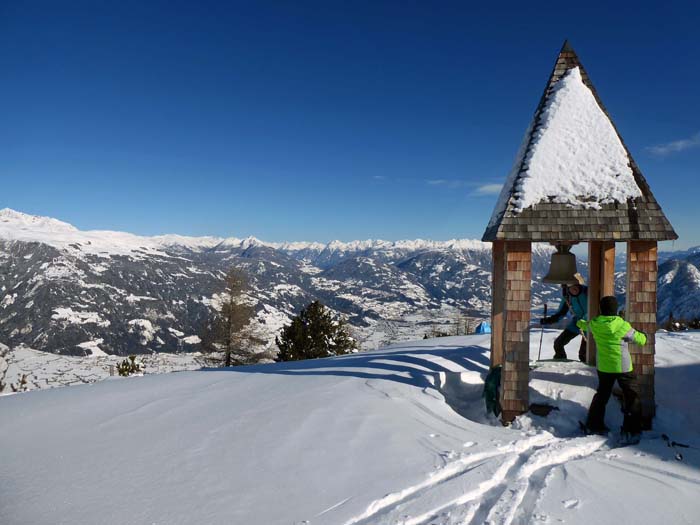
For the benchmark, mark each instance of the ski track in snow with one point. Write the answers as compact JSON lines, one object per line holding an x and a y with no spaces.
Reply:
{"x":441,"y":469}
{"x":333,"y":507}
{"x":508,"y":496}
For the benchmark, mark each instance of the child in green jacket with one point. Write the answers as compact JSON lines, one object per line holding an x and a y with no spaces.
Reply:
{"x":612,"y":334}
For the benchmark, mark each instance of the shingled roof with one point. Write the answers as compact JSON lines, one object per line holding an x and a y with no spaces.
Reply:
{"x":634,"y":215}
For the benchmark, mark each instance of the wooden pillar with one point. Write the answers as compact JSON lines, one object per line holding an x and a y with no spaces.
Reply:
{"x":601,"y":282}
{"x":516,"y":334}
{"x":608,"y":277}
{"x":641,"y":313}
{"x":498,"y":290}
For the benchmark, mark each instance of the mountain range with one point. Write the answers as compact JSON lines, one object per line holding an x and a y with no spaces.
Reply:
{"x":73,"y":292}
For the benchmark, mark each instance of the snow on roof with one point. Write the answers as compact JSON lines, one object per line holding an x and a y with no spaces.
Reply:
{"x":575,"y":156}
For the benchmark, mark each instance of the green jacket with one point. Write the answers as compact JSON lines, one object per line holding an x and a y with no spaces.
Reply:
{"x":611,"y":334}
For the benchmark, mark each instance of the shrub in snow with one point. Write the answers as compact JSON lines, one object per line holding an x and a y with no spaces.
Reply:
{"x":21,"y":386}
{"x":675,"y":325}
{"x":312,"y":334}
{"x":129,"y":367}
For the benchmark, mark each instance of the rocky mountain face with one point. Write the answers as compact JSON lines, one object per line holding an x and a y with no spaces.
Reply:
{"x":679,"y":287}
{"x":77,"y":292}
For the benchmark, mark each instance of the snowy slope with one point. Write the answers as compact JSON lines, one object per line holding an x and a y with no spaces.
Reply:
{"x":396,"y":436}
{"x":18,"y":226}
{"x":43,"y":370}
{"x":62,"y":289}
{"x":679,"y":289}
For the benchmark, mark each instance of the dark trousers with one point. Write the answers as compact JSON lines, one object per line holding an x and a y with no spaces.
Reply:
{"x":564,"y":339}
{"x":631,"y":406}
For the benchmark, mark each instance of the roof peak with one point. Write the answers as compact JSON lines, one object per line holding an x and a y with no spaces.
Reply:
{"x":566,"y":47}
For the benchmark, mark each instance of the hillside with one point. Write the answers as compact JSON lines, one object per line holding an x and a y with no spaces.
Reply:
{"x":62,"y":289}
{"x":73,"y":292}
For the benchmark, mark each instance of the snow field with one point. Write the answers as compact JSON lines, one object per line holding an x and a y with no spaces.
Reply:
{"x":396,"y":436}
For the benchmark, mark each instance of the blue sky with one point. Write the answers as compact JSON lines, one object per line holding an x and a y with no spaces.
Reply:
{"x":325,"y":120}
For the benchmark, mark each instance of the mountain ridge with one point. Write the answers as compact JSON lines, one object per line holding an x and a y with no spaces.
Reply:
{"x":38,"y":225}
{"x":67,"y":291}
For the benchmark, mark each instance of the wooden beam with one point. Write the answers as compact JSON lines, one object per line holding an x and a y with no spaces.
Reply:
{"x":640,"y":311}
{"x":516,"y":333}
{"x":498,"y":292}
{"x":595,"y":272}
{"x":601,"y":282}
{"x":608,"y":249}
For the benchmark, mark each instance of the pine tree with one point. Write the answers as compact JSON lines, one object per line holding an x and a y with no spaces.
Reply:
{"x":313,"y":334}
{"x":671,"y":323}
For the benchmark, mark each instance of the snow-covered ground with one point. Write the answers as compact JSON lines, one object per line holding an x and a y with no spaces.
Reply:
{"x":44,"y":370}
{"x":396,"y":436}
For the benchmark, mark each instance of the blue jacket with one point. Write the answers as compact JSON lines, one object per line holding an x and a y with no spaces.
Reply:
{"x":577,"y":304}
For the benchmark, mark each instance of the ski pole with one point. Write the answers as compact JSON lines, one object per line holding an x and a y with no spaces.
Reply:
{"x":539,"y":353}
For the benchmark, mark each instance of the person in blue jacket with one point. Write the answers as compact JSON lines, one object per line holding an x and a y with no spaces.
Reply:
{"x":574,"y":300}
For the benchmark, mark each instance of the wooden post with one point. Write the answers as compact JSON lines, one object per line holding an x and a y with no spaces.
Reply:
{"x":595,"y":271}
{"x":516,"y":334}
{"x":608,"y":277}
{"x":641,"y":313}
{"x":498,"y":290}
{"x":601,"y":282}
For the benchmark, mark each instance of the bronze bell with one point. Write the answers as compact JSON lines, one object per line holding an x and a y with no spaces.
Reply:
{"x":562,"y":267}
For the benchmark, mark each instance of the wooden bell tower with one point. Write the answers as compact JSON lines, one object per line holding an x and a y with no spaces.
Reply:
{"x":600,"y":221}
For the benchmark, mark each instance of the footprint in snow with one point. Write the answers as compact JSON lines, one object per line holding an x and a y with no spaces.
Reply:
{"x":570,"y":503}
{"x":449,"y":454}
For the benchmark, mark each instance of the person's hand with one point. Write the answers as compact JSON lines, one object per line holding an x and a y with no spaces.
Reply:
{"x":542,"y":323}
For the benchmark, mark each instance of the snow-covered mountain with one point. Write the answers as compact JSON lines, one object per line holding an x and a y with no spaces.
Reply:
{"x":679,"y":288}
{"x":62,"y":290}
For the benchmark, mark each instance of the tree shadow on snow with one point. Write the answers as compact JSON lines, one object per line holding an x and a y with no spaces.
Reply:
{"x":416,"y":366}
{"x":429,"y":368}
{"x":410,"y":365}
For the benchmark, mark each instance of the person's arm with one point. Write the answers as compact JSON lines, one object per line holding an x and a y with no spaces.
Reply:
{"x":563,"y":309}
{"x":634,"y":336}
{"x":582,"y":325}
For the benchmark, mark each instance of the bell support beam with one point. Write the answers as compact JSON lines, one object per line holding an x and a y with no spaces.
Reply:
{"x":640,"y":311}
{"x":601,"y":282}
{"x":516,"y":331}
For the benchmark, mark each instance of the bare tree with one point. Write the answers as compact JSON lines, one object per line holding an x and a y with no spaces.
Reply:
{"x":233,"y":329}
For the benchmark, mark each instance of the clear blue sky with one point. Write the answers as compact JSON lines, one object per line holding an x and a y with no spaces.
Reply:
{"x":324,"y":120}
